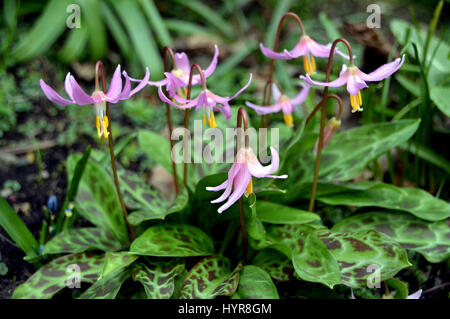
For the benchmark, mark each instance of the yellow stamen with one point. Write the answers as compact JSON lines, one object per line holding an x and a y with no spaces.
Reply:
{"x":313,"y":64}
{"x":306,"y":64}
{"x":359,"y":98}
{"x":105,"y":128}
{"x":212,"y":121}
{"x":97,"y":120}
{"x":356,"y":102}
{"x":249,"y":188}
{"x":288,"y":119}
{"x":105,"y":118}
{"x":310,"y":64}
{"x":204,"y":119}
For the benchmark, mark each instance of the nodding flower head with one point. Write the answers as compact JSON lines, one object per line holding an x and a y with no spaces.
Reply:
{"x":98,"y":98}
{"x":305,"y":47}
{"x":356,"y":80}
{"x":240,"y":175}
{"x":282,"y":103}
{"x":207,"y":101}
{"x":178,"y":78}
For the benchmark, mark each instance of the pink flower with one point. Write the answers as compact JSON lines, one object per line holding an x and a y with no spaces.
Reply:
{"x":240,"y":175}
{"x":329,"y":131}
{"x":356,"y":80}
{"x":282,"y":103}
{"x":207,"y":101}
{"x":179,"y":77}
{"x":115,"y":93}
{"x":305,"y":47}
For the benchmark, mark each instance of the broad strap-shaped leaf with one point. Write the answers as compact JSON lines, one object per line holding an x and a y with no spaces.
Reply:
{"x":277,"y":265}
{"x":117,"y":260}
{"x":209,"y":278}
{"x":255,"y":283}
{"x":360,"y":254}
{"x":173,"y":241}
{"x":413,"y":200}
{"x":180,"y":202}
{"x":60,"y":273}
{"x":107,"y":287}
{"x":273,"y":213}
{"x":97,"y":199}
{"x":347,"y":154}
{"x":316,"y":263}
{"x":17,"y":230}
{"x":158,"y":276}
{"x":78,"y":240}
{"x":431,"y":239}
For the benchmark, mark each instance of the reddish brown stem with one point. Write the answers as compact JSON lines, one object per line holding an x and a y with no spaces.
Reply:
{"x":99,"y":67}
{"x":168,"y":51}
{"x":265,"y":118}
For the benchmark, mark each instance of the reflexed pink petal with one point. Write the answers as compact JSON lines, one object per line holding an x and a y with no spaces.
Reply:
{"x":341,"y":80}
{"x":53,"y":96}
{"x":143,"y":83}
{"x":153,"y":83}
{"x":355,"y":84}
{"x":383,"y":71}
{"x":301,"y":96}
{"x":218,"y":188}
{"x":260,"y":110}
{"x":210,"y":69}
{"x":183,"y":106}
{"x":243,"y":89}
{"x":274,"y":55}
{"x":240,"y":185}
{"x":67,"y":86}
{"x":275,"y":92}
{"x":323,"y":51}
{"x":79,"y":96}
{"x":257,"y":170}
{"x":115,"y":86}
{"x":415,"y":295}
{"x":225,"y":109}
{"x":234,"y":170}
{"x":300,"y":49}
{"x":182,"y":61}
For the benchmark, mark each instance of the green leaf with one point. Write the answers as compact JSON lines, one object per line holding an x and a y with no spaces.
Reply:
{"x":277,"y":265}
{"x":209,"y":15}
{"x":115,"y":261}
{"x":255,"y":283}
{"x":316,"y":263}
{"x":413,"y":200}
{"x":91,"y":16}
{"x":431,"y":239}
{"x":97,"y":199}
{"x":359,"y":254}
{"x":158,"y":277}
{"x":115,"y":29}
{"x":401,"y":288}
{"x":157,"y":22}
{"x":440,"y":95}
{"x":58,"y":274}
{"x":281,"y":8}
{"x":43,"y":34}
{"x":173,"y":241}
{"x":74,"y":46}
{"x":330,"y":28}
{"x":273,"y":213}
{"x":139,"y":33}
{"x":81,"y":239}
{"x":107,"y":287}
{"x":209,"y":278}
{"x":347,"y":154}
{"x":17,"y":230}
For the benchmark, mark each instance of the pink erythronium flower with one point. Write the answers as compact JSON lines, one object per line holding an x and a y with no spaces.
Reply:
{"x":305,"y":47}
{"x":179,"y":76}
{"x":356,"y":80}
{"x":282,"y":103}
{"x":207,"y":101}
{"x":328,"y":133}
{"x":240,"y":175}
{"x":115,"y":93}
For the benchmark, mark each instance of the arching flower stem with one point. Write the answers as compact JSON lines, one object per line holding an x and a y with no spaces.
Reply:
{"x":99,"y":69}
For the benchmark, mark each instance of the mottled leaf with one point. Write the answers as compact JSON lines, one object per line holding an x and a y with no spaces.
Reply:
{"x":209,"y":278}
{"x":81,"y":239}
{"x":158,"y":277}
{"x":255,"y":283}
{"x":431,"y":239}
{"x":413,"y":200}
{"x":347,"y":154}
{"x":173,"y":241}
{"x":60,"y":273}
{"x":115,"y":261}
{"x":107,"y":287}
{"x":277,"y":265}
{"x":280,"y":214}
{"x":97,"y":199}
